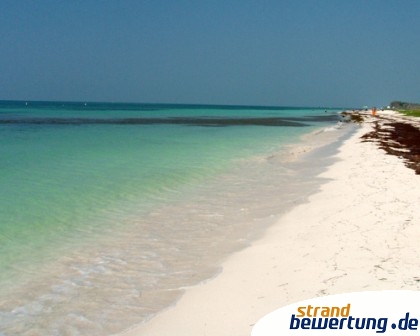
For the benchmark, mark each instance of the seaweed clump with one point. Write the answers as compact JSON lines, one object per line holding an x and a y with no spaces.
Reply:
{"x":353,"y":117}
{"x":399,"y":139}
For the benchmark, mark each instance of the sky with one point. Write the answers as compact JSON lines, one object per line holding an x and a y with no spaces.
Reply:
{"x":330,"y":53}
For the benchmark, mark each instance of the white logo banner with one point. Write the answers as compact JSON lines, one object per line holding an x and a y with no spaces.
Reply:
{"x":394,"y":312}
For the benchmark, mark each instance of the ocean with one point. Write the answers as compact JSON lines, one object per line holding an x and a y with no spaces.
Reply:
{"x":108,"y":212}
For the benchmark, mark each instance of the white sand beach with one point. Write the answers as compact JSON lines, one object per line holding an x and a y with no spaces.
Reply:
{"x":359,"y":232}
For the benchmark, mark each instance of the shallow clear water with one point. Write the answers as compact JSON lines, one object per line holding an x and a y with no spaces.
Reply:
{"x":105,"y":217}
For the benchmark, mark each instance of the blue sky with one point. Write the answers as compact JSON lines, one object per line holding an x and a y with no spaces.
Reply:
{"x":268,"y":52}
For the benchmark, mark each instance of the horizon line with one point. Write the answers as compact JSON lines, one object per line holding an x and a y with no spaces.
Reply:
{"x":86,"y":103}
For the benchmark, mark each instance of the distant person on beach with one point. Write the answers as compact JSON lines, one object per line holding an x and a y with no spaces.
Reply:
{"x":374,"y":111}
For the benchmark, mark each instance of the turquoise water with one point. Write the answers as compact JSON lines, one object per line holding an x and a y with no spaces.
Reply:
{"x":88,"y":185}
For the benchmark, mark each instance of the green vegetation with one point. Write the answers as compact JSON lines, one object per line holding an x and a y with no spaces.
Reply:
{"x":412,"y":113}
{"x":410,"y":109}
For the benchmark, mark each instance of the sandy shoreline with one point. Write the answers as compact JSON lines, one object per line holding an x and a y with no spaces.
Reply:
{"x":359,"y":232}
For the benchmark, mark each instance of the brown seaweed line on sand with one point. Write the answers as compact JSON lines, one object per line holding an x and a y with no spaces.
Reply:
{"x":398,"y":138}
